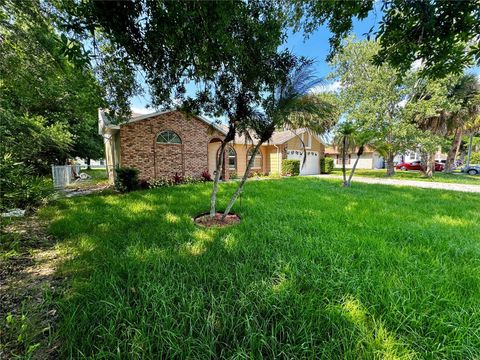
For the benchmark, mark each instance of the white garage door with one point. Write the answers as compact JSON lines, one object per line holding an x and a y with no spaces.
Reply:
{"x":312,"y":164}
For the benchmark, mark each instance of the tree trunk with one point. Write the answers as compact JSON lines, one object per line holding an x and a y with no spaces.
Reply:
{"x":452,"y":153}
{"x":88,"y":163}
{"x":390,"y":165}
{"x":344,"y":158}
{"x":243,"y":181}
{"x":430,"y":165}
{"x":219,"y":163}
{"x":469,"y":155}
{"x":359,"y":154}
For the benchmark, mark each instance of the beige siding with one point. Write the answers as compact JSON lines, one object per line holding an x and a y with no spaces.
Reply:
{"x":296,"y":144}
{"x":275,"y":161}
{"x":212,"y":154}
{"x":366,"y":161}
{"x":112,"y":154}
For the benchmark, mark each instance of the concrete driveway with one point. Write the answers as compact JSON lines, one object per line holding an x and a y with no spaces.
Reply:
{"x":414,"y":183}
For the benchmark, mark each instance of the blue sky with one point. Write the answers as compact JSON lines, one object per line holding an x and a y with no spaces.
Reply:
{"x":315,"y":47}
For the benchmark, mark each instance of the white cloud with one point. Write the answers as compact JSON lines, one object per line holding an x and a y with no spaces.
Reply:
{"x":332,"y":87}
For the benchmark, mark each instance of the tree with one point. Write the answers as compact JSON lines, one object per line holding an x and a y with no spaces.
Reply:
{"x":467,"y":91}
{"x":430,"y":106}
{"x":229,"y":50}
{"x":345,"y":141}
{"x":442,"y":34}
{"x":43,"y":94}
{"x":291,"y":105}
{"x":372,"y":98}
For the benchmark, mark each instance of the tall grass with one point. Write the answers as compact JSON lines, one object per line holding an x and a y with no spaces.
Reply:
{"x":313,"y":271}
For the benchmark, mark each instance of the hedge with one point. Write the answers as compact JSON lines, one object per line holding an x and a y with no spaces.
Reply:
{"x":326,"y":165}
{"x":290,"y":167}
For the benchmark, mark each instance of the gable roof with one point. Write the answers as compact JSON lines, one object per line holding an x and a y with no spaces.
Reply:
{"x":278,"y":137}
{"x":104,"y":121}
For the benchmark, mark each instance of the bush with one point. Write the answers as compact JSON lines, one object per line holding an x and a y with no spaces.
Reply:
{"x":177,"y":180}
{"x":160,"y":182}
{"x":126,"y":179}
{"x":326,"y":165}
{"x":19,"y":188}
{"x":290,"y":167}
{"x":233,"y":175}
{"x":474,"y":158}
{"x":206,"y":176}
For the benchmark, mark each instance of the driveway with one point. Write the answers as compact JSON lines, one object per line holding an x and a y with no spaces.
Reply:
{"x":414,"y":183}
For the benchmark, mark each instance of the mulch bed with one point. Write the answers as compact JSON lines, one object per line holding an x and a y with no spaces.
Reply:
{"x":204,"y":220}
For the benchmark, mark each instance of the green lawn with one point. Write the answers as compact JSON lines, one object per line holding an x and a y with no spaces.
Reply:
{"x":98,"y":177}
{"x":313,"y":271}
{"x":456,"y":177}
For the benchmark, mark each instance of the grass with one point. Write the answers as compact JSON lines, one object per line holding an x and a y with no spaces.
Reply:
{"x":98,"y":178}
{"x":456,"y":177}
{"x":312,"y":271}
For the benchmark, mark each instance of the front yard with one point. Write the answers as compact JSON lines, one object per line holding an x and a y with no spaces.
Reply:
{"x":456,"y":177}
{"x":312,"y":271}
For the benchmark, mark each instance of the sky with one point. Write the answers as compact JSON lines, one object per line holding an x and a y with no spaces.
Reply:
{"x":315,"y":47}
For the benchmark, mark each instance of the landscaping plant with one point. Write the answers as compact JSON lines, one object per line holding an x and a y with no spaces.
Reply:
{"x":326,"y":165}
{"x":126,"y":179}
{"x":290,"y":167}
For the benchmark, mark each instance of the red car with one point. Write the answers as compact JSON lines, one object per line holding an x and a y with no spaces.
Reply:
{"x":417,"y":165}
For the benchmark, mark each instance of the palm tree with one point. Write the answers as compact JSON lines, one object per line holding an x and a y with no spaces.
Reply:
{"x":290,"y":105}
{"x":345,"y":141}
{"x":467,"y":92}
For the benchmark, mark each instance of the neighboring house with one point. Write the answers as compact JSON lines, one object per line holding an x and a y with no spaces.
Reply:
{"x":410,"y":156}
{"x":166,"y":143}
{"x":370,"y":159}
{"x":94,"y":164}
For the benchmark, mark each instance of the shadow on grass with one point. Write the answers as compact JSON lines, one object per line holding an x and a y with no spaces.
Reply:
{"x":313,"y":270}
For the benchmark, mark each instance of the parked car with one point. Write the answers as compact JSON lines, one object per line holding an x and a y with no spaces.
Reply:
{"x":417,"y":165}
{"x":472,"y":169}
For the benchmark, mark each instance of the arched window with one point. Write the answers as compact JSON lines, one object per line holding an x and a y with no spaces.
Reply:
{"x":168,"y":137}
{"x":257,"y":162}
{"x":231,"y":159}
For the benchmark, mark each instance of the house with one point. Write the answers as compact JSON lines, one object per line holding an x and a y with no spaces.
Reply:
{"x":166,"y":143}
{"x":94,"y":164}
{"x":411,"y":156}
{"x":370,"y":159}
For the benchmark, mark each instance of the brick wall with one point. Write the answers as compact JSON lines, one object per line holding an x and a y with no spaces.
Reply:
{"x":138,"y":147}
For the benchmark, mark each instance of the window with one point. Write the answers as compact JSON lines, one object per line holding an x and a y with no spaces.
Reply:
{"x":168,"y":137}
{"x":307,"y":140}
{"x":231,"y":159}
{"x":257,"y":162}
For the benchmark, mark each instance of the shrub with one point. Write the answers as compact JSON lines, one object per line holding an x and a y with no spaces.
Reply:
{"x":475,"y":158}
{"x":233,"y":175}
{"x":126,"y":179}
{"x":206,"y":176}
{"x":160,"y":182}
{"x":326,"y":165}
{"x":19,"y":188}
{"x":192,"y":180}
{"x":177,"y":179}
{"x":290,"y":167}
{"x":143,"y":184}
